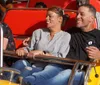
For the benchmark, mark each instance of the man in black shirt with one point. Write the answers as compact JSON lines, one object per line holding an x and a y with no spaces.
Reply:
{"x":85,"y":42}
{"x":80,"y":2}
{"x":84,"y":45}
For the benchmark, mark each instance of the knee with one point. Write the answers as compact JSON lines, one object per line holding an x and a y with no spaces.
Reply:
{"x":19,"y":64}
{"x":66,"y":73}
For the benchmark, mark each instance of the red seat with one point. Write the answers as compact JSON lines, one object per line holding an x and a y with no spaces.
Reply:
{"x":96,"y":4}
{"x":25,"y":21}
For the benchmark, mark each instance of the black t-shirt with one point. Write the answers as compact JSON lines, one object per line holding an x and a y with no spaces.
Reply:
{"x":79,"y":41}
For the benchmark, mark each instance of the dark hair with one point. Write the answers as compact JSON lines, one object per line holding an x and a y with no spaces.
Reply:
{"x":91,"y":9}
{"x":9,"y":2}
{"x":2,"y":2}
{"x":60,"y":12}
{"x":81,"y":2}
{"x":38,"y":4}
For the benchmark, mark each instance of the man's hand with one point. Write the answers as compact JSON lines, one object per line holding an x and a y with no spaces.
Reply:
{"x":93,"y":52}
{"x":26,"y":41}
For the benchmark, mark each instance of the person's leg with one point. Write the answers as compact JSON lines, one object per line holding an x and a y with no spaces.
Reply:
{"x":63,"y":77}
{"x":21,"y":64}
{"x":79,"y":78}
{"x":26,"y":68}
{"x":48,"y":72}
{"x":60,"y":79}
{"x":27,"y":71}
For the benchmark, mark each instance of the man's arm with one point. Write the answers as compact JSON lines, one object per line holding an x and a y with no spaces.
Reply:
{"x":5,"y":42}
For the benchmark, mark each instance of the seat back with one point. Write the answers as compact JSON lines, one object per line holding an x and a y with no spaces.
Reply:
{"x":25,"y":21}
{"x":20,"y":3}
{"x":96,"y":4}
{"x":49,"y":3}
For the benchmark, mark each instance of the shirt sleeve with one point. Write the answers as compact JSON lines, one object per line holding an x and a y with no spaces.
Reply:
{"x":6,"y":31}
{"x":34,"y":40}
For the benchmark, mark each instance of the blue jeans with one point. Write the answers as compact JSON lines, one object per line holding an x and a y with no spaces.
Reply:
{"x":54,"y":75}
{"x":23,"y":66}
{"x":49,"y":72}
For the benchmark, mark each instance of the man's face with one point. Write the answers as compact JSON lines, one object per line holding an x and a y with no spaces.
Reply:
{"x":83,"y":18}
{"x":81,"y":2}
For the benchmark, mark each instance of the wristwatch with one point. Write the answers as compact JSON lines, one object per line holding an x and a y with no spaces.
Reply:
{"x":44,"y":52}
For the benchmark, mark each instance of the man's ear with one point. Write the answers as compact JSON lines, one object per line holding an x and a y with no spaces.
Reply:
{"x":92,"y":18}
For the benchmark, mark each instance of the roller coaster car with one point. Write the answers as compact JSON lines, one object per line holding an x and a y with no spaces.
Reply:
{"x":35,"y":18}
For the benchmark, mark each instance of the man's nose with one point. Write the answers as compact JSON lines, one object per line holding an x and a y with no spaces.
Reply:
{"x":78,"y":16}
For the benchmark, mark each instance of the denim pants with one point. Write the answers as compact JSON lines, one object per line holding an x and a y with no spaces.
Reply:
{"x":53,"y":75}
{"x":63,"y":77}
{"x":49,"y":72}
{"x":22,"y":65}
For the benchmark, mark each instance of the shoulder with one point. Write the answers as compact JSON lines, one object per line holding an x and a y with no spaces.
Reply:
{"x":74,"y":30}
{"x":5,"y":27}
{"x":66,"y":36}
{"x":39,"y":32}
{"x":6,"y":30}
{"x":4,"y":24}
{"x":97,"y":32}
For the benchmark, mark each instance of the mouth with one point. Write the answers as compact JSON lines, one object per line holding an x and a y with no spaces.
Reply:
{"x":47,"y":22}
{"x":78,"y":21}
